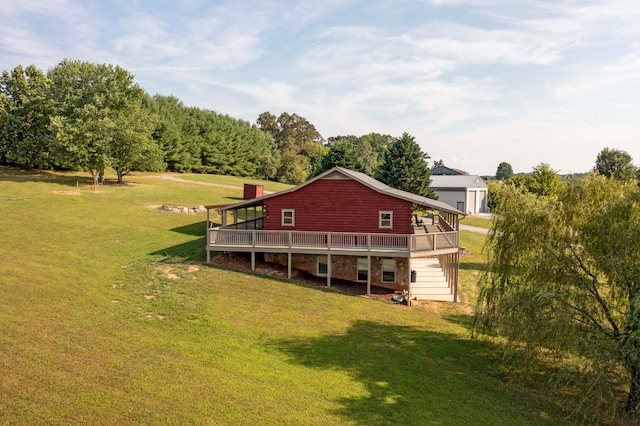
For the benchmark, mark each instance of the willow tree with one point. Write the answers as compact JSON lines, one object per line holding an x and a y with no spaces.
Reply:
{"x":564,"y":280}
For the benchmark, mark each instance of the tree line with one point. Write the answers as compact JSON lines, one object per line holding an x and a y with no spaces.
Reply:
{"x":85,"y":116}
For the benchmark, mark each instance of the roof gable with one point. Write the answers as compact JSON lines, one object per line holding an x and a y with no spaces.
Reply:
{"x":469,"y":181}
{"x":376,"y":185}
{"x":448,"y":171}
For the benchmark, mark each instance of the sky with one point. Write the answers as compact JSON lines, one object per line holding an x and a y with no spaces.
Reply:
{"x":476,"y":82}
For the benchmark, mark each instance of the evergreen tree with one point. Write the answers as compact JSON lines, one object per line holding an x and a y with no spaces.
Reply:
{"x":405,"y":167}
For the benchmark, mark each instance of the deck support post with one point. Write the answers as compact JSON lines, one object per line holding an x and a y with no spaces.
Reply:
{"x":456,"y":259}
{"x":409,"y":281}
{"x":329,"y":270}
{"x":289,"y":265}
{"x":368,"y":275}
{"x":253,"y":261}
{"x":208,"y":256}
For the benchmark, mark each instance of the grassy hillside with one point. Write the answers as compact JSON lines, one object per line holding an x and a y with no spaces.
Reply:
{"x":109,"y":315}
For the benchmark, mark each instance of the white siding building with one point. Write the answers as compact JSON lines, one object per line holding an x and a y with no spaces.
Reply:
{"x":466,"y":193}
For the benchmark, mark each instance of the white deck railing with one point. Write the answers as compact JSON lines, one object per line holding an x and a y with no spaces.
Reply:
{"x":225,"y":238}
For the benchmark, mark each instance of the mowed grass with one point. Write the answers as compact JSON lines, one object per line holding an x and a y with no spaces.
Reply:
{"x":108,"y":315}
{"x":478,"y":222}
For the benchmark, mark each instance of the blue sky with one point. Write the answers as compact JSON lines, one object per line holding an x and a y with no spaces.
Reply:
{"x":476,"y":82}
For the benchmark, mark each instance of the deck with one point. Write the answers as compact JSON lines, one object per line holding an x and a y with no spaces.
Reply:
{"x":338,"y":243}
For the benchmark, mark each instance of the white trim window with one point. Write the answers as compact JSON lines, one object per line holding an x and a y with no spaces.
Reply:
{"x":363,"y":269}
{"x":385,"y":220}
{"x":288,"y":217}
{"x":388,"y":270}
{"x":323,"y":265}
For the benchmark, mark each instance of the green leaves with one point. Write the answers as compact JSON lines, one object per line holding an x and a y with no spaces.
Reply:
{"x":617,"y":164}
{"x":99,"y":122}
{"x":342,"y":154}
{"x":25,"y":111}
{"x":565,"y":274}
{"x":504,"y":171}
{"x":405,"y":167}
{"x":299,"y":144}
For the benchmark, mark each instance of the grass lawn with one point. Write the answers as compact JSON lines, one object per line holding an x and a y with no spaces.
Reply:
{"x":477,"y":222}
{"x":109,"y":315}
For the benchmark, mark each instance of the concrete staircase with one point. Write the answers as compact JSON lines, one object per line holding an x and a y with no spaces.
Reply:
{"x":430,"y":281}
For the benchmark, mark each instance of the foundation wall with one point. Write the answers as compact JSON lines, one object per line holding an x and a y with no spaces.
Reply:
{"x":346,"y":268}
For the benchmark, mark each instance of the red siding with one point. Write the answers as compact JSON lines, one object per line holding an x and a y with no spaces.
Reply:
{"x":337,"y":205}
{"x":252,"y":191}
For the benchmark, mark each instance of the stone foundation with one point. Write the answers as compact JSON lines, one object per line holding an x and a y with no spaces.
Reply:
{"x":345,"y":268}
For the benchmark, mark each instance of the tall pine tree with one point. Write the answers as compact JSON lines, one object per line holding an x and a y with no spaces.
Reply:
{"x":405,"y":167}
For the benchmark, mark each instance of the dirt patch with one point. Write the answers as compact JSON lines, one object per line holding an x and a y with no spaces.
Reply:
{"x":242,"y":263}
{"x":66,"y":192}
{"x":167,"y":272}
{"x":172,"y":208}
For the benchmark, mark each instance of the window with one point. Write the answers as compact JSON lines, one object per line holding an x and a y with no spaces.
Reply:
{"x":386,"y":220}
{"x":388,"y":270}
{"x":288,"y":217}
{"x":363,"y":269}
{"x":322,"y":265}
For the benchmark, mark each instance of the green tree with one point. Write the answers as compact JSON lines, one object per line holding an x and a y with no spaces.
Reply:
{"x":564,"y":280}
{"x":437,"y":163}
{"x":299,"y":144}
{"x":370,"y":148}
{"x":169,"y":132}
{"x":544,"y":181}
{"x":405,"y":167}
{"x":341,"y":154}
{"x":493,"y":198}
{"x":91,"y":102}
{"x":25,"y":114}
{"x":615,"y":163}
{"x":504,"y":171}
{"x":131,"y":146}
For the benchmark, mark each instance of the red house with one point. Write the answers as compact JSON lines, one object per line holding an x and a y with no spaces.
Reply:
{"x":347,"y":225}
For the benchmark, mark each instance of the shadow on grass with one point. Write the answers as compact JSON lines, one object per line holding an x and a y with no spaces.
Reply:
{"x":15,"y":174}
{"x":197,"y":229}
{"x":189,"y":251}
{"x":62,"y":177}
{"x":412,"y":376}
{"x":474,"y":266}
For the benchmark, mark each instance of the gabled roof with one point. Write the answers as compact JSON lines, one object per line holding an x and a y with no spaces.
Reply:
{"x":459,"y":182}
{"x":448,"y":171}
{"x":362,"y":178}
